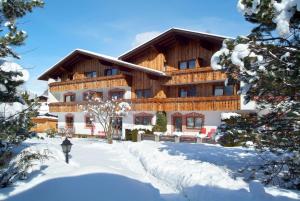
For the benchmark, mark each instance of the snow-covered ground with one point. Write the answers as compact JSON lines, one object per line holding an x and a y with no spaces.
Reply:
{"x":140,"y":171}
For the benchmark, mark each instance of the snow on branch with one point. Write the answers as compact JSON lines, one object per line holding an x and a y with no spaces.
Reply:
{"x":280,"y":12}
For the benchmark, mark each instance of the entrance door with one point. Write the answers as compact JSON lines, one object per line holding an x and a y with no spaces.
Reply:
{"x":117,"y":127}
{"x":177,"y":124}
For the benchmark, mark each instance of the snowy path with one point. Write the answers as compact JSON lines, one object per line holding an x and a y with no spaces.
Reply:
{"x":141,"y":171}
{"x":96,"y":170}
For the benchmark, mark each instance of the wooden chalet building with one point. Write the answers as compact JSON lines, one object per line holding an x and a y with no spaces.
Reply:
{"x":169,"y":73}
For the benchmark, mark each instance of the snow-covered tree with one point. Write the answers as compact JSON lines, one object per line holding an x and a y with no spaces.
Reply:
{"x":266,"y":63}
{"x":105,"y":112}
{"x":15,"y":107}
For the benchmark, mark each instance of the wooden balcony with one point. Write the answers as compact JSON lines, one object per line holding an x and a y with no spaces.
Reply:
{"x":194,"y":76}
{"x":214,"y":103}
{"x":91,"y":83}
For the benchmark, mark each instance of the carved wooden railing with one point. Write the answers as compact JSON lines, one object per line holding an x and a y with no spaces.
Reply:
{"x":91,"y":83}
{"x":213,"y":103}
{"x":194,"y":76}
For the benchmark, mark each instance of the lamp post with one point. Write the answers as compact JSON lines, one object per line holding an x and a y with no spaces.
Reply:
{"x":66,"y":147}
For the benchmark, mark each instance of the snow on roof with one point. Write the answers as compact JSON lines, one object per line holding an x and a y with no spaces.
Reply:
{"x":106,"y":58}
{"x":170,"y":30}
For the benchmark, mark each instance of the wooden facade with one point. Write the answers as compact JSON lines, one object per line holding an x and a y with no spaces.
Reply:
{"x":43,"y":124}
{"x":164,"y":55}
{"x":91,"y":83}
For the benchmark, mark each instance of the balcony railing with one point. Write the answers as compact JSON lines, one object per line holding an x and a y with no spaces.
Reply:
{"x":194,"y":76}
{"x":213,"y":103}
{"x":91,"y":83}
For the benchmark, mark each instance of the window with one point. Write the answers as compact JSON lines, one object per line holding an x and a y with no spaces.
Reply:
{"x":177,"y":124}
{"x":117,"y":94}
{"x":218,"y":90}
{"x":228,"y":90}
{"x":203,"y":62}
{"x":88,"y":122}
{"x":183,"y":65}
{"x":190,"y":64}
{"x":143,"y":120}
{"x":92,"y":95}
{"x":188,"y":91}
{"x":90,"y":74}
{"x":224,"y":90}
{"x":194,"y":122}
{"x":70,"y":77}
{"x":69,"y":97}
{"x":143,"y":93}
{"x":139,"y":93}
{"x":69,"y":121}
{"x":111,"y":71}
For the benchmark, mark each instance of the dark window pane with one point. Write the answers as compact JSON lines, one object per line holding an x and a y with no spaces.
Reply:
{"x":147,"y":121}
{"x":69,"y":121}
{"x":192,"y":63}
{"x":138,"y":121}
{"x":147,"y":93}
{"x":117,"y":95}
{"x":192,"y":91}
{"x":90,"y":74}
{"x":190,"y":122}
{"x":139,"y":93}
{"x":114,"y":71}
{"x":88,"y":122}
{"x":178,"y":124}
{"x":183,"y":92}
{"x":218,"y":91}
{"x":228,"y":90}
{"x":107,"y":72}
{"x":183,"y":65}
{"x":198,"y":122}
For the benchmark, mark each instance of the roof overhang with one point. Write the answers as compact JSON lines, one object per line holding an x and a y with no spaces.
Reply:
{"x":171,"y":32}
{"x":74,"y":55}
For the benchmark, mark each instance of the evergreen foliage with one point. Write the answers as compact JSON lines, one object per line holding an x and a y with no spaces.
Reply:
{"x":161,"y":122}
{"x":266,"y":64}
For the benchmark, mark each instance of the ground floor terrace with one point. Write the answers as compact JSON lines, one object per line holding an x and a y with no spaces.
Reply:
{"x":188,"y":123}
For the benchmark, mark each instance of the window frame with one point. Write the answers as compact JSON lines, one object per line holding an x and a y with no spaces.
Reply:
{"x":143,"y":120}
{"x":93,"y":73}
{"x":194,"y":122}
{"x":218,"y":87}
{"x":111,"y":70}
{"x":187,"y":62}
{"x":67,"y":124}
{"x":72,"y":99}
{"x":188,"y":91}
{"x":88,"y":125}
{"x":194,"y":117}
{"x":143,"y":93}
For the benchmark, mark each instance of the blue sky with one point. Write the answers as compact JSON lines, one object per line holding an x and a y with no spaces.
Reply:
{"x":115,"y":26}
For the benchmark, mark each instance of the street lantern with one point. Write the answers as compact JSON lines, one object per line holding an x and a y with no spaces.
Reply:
{"x":66,"y":147}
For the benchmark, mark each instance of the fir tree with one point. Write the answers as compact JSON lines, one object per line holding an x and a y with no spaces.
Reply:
{"x":266,"y":64}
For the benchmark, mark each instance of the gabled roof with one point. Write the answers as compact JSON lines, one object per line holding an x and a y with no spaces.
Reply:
{"x":102,"y":57}
{"x":168,"y":33}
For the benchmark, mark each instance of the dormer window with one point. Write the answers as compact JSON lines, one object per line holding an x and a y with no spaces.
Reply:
{"x":111,"y":71}
{"x":90,"y":74}
{"x":189,"y":64}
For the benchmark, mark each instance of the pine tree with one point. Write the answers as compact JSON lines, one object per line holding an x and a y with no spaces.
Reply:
{"x":266,"y":64}
{"x":15,"y":108}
